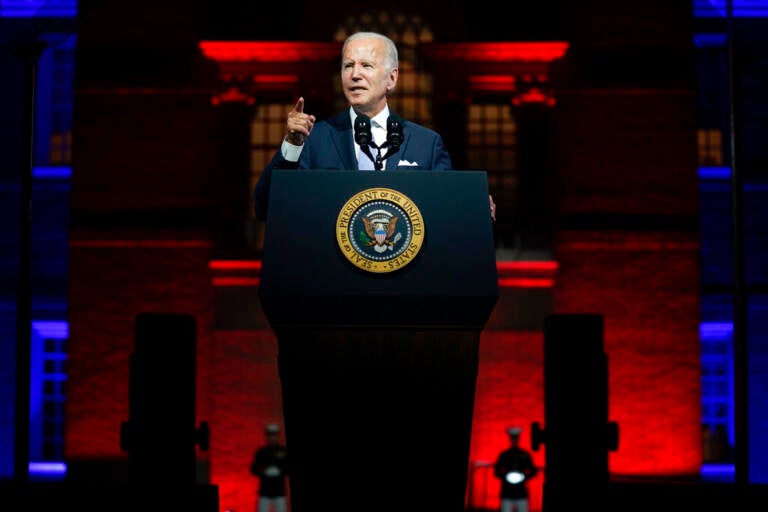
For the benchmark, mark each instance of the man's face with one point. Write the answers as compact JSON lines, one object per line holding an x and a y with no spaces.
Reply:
{"x":365,"y":76}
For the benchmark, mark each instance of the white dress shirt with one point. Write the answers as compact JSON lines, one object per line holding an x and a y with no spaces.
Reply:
{"x":378,"y":132}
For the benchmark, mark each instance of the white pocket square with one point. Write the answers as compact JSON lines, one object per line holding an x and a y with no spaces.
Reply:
{"x":406,"y":163}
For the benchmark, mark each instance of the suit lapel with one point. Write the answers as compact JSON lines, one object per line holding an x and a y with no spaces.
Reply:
{"x":342,"y":140}
{"x":390,"y":163}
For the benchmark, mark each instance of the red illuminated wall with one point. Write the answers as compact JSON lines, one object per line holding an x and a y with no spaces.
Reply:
{"x":249,"y":391}
{"x":642,"y":283}
{"x":510,"y":391}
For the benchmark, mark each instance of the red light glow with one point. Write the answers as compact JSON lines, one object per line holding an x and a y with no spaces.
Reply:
{"x":545,"y":51}
{"x":534,"y":95}
{"x":493,"y":82}
{"x":235,"y":264}
{"x":526,"y":274}
{"x":527,"y":265}
{"x":511,"y":282}
{"x":268,"y":51}
{"x":232,"y":95}
{"x":512,"y":274}
{"x":235,"y":281}
{"x":282,"y":80}
{"x":235,"y":272}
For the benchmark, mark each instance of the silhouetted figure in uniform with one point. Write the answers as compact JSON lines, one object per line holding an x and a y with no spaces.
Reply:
{"x":514,"y":467}
{"x":269,"y":464}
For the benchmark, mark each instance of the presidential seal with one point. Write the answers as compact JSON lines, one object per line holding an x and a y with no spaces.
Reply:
{"x":380,"y":230}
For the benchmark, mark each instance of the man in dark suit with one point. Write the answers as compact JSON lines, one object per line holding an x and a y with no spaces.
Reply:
{"x":369,"y":72}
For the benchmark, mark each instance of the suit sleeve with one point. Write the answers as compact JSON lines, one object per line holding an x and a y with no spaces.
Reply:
{"x":441,"y":157}
{"x":261,"y":190}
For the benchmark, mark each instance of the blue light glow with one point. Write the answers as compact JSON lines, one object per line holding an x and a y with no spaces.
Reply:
{"x":47,"y":468}
{"x":717,"y":472}
{"x":51,"y":172}
{"x":741,"y":8}
{"x":715,"y":330}
{"x":51,"y":330}
{"x":38,"y":8}
{"x":710,"y":40}
{"x":714,"y":173}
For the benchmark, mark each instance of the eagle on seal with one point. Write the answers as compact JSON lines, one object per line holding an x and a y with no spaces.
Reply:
{"x":380,"y":232}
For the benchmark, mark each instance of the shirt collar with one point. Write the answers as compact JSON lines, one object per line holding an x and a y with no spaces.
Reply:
{"x":379,"y":119}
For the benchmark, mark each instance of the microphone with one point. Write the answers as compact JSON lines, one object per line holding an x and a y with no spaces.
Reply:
{"x":363,"y":135}
{"x":395,"y":135}
{"x":394,"y":132}
{"x":363,"y":130}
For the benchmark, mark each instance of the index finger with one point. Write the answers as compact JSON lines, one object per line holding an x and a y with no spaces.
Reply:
{"x":299,"y":105}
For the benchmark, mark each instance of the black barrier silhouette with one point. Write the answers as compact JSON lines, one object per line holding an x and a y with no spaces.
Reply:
{"x":577,"y":433}
{"x":160,"y":435}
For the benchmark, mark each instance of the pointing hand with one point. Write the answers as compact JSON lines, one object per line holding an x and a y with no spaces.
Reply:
{"x":299,"y":124}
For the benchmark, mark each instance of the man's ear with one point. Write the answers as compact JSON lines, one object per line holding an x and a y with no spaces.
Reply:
{"x":393,"y":80}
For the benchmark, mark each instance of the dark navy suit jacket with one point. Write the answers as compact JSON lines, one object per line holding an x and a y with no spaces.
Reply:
{"x":330,"y":145}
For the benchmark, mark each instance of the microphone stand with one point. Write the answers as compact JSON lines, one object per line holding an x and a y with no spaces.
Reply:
{"x":367,"y":150}
{"x":392,"y":149}
{"x":378,"y":162}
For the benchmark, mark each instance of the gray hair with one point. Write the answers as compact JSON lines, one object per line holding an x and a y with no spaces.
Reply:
{"x":391,"y":48}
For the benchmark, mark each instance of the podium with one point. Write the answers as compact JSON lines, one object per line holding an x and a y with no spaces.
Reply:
{"x":377,"y":286}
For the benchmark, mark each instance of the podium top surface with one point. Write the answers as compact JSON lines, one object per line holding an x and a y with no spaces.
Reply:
{"x":309,"y":277}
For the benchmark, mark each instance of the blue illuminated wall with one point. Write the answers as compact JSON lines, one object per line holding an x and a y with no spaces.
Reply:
{"x":51,"y":23}
{"x":741,"y":8}
{"x":38,"y":8}
{"x":748,"y":104}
